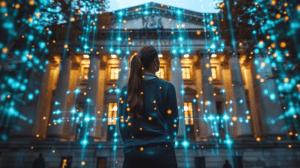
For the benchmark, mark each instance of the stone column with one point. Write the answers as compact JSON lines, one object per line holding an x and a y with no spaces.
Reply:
{"x":177,"y":81}
{"x":209,"y":111}
{"x":244,"y":127}
{"x":44,"y":102}
{"x":59,"y":125}
{"x":91,"y":108}
{"x":100,"y":127}
{"x":200,"y":124}
{"x":255,"y":120}
{"x":269,"y":103}
{"x":230,"y":106}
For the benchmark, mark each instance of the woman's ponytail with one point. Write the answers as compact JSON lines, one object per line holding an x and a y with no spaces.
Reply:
{"x":135,"y":87}
{"x":139,"y":63}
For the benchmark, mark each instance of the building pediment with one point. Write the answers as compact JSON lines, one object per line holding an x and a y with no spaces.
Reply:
{"x":153,"y":15}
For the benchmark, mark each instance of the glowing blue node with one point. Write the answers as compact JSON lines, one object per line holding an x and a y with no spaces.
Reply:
{"x":182,"y":91}
{"x":226,"y":117}
{"x":213,"y":46}
{"x":266,"y":92}
{"x":88,"y":100}
{"x":185,"y":143}
{"x":256,"y":51}
{"x":84,"y":142}
{"x":30,"y":37}
{"x":180,"y":38}
{"x":77,"y":91}
{"x":87,"y":119}
{"x":120,"y":13}
{"x":272,"y":96}
{"x":118,"y":51}
{"x":30,"y":96}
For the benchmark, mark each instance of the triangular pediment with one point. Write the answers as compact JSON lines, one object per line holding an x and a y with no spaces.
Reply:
{"x":153,"y":15}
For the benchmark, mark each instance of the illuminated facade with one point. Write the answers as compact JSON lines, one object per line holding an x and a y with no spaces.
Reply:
{"x":228,"y":111}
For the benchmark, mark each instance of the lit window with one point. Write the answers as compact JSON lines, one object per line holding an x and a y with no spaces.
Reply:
{"x":161,"y":73}
{"x":214,"y":72}
{"x":112,"y":113}
{"x":188,"y":113}
{"x":86,"y":73}
{"x":186,"y":73}
{"x":114,"y":73}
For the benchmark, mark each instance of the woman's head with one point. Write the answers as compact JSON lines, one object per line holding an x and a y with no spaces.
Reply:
{"x":145,"y":60}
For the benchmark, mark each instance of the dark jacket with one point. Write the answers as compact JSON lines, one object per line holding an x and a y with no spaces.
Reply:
{"x":159,"y":129}
{"x":39,"y":163}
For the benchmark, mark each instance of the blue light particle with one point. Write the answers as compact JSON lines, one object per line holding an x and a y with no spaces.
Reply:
{"x":118,"y":51}
{"x":30,"y":37}
{"x":226,"y":117}
{"x":30,"y":96}
{"x":272,"y":96}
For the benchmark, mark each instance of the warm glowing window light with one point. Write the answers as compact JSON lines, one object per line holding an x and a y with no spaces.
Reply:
{"x":214,"y":55}
{"x":112,"y":113}
{"x":86,"y":56}
{"x":160,"y":55}
{"x":114,"y":56}
{"x":86,"y":73}
{"x":161,"y":73}
{"x":186,"y":73}
{"x":186,"y":55}
{"x":114,"y":73}
{"x":214,"y":72}
{"x":188,"y":113}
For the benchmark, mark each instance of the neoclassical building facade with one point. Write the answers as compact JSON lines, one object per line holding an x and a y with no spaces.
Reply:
{"x":229,"y":108}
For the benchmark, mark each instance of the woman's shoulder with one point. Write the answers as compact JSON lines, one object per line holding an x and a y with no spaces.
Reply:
{"x":165,"y":83}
